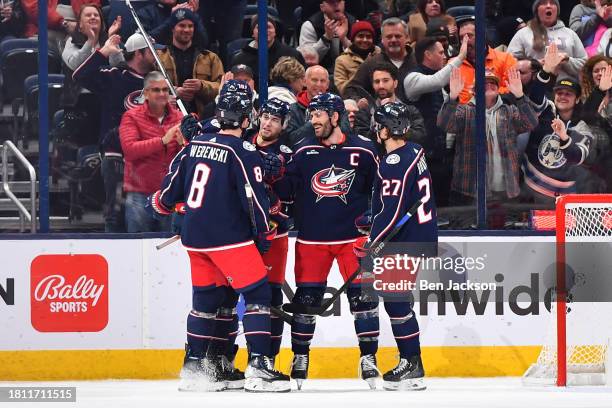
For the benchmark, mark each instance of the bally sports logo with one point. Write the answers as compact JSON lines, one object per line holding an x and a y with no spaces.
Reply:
{"x":69,"y":293}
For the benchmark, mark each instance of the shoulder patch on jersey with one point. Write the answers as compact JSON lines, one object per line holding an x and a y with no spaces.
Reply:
{"x":393,"y":159}
{"x":248,"y":146}
{"x":364,"y":138}
{"x":285,"y":149}
{"x":214,"y":140}
{"x":415,"y":150}
{"x":312,"y":152}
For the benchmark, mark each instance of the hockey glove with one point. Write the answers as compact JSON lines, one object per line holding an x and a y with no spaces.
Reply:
{"x":274,"y":167}
{"x":364,"y":222}
{"x":155,"y":209}
{"x":177,"y":220}
{"x":190,"y":127}
{"x":361,"y":248}
{"x":263,"y":240}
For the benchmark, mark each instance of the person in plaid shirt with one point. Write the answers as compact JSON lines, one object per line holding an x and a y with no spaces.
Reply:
{"x":504,"y":123}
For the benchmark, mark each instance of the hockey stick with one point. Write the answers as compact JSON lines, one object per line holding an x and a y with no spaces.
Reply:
{"x":179,"y":103}
{"x":317,"y":310}
{"x":167,"y":242}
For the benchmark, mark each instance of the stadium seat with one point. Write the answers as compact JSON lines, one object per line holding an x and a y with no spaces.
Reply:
{"x":234,"y":47}
{"x":458,"y":11}
{"x":30,"y":95}
{"x":19,"y":59}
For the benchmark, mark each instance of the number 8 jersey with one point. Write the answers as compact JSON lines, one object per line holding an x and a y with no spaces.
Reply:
{"x":403,"y":178}
{"x":210,"y":175}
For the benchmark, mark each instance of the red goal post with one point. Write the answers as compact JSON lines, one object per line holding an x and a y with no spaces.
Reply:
{"x":579,"y":218}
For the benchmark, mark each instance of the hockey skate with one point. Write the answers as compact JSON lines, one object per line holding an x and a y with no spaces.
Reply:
{"x":368,"y":370}
{"x":407,"y":376}
{"x":200,"y":374}
{"x":233,"y":377}
{"x":299,"y":369}
{"x":260,"y":376}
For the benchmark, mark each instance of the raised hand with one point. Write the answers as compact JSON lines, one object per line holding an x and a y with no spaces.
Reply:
{"x":456,"y":84}
{"x":605,"y":83}
{"x":330,"y":27}
{"x":342,"y":27}
{"x":464,"y":47}
{"x":111,"y":46}
{"x":552,"y":58}
{"x":115,"y":27}
{"x":559,"y":128}
{"x":514,"y":83}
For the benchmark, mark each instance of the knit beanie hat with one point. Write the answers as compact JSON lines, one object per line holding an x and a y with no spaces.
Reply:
{"x":182,"y":14}
{"x":362,"y":25}
{"x":534,"y":8}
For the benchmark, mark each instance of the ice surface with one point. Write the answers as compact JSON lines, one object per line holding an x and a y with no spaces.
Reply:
{"x":441,"y":393}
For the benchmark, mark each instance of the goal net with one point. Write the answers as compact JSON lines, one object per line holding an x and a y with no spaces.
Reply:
{"x":576,"y":348}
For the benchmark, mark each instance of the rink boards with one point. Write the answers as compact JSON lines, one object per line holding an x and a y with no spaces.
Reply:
{"x":116,"y":308}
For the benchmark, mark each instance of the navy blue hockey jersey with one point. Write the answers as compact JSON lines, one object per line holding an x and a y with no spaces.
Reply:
{"x":282,"y":217}
{"x":210,"y":175}
{"x":332,"y":186}
{"x":403,"y":178}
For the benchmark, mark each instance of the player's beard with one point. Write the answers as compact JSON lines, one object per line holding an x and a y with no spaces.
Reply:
{"x":326,"y":131}
{"x":268,"y":136}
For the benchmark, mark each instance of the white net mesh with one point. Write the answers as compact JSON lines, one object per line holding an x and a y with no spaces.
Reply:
{"x":587,"y":337}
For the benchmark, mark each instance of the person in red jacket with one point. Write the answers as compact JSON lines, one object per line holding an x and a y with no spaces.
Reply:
{"x":150,"y":138}
{"x":55,"y":20}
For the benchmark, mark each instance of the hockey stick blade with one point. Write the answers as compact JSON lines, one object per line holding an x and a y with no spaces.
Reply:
{"x":318,"y":310}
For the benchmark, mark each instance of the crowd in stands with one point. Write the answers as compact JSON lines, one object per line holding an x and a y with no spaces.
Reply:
{"x":547,"y":84}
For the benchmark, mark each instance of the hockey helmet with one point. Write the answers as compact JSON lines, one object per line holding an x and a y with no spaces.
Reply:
{"x":275,"y":107}
{"x":393,"y":116}
{"x":327,"y":102}
{"x":232,"y":109}
{"x":234,"y":86}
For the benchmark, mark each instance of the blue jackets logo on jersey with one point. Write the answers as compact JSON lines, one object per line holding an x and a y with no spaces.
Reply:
{"x":549,"y":153}
{"x":332,"y":182}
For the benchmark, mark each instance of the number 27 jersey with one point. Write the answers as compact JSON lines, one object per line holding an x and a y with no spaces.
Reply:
{"x":403,"y":178}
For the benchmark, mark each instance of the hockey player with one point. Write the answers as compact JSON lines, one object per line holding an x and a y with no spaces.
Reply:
{"x":403,"y":178}
{"x":331,"y":177}
{"x":223,"y":230}
{"x":273,"y":116}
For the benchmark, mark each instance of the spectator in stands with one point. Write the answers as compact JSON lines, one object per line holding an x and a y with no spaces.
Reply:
{"x":504,"y":123}
{"x":384,"y":81}
{"x":150,"y":138}
{"x":542,"y":30}
{"x":394,"y":51}
{"x":528,"y":68}
{"x":362,"y":37}
{"x":276,"y":49}
{"x":317,"y":82}
{"x":55,"y":21}
{"x":239,"y":72}
{"x":115,"y":88}
{"x":589,"y":20}
{"x":424,"y":88}
{"x":351,"y":111}
{"x":561,"y":141}
{"x":81,"y":107}
{"x":12,"y":20}
{"x":164,"y":32}
{"x":328,"y":31}
{"x":310,"y":55}
{"x":425,"y":11}
{"x":597,"y":113}
{"x":195,"y":71}
{"x":497,"y":61}
{"x":287,"y":80}
{"x":90,"y":34}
